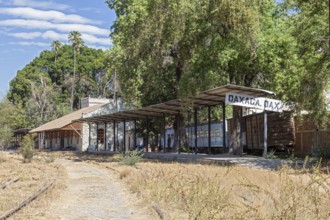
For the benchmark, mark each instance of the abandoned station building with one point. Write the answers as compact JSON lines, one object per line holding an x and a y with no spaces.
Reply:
{"x":109,"y":125}
{"x":65,"y":132}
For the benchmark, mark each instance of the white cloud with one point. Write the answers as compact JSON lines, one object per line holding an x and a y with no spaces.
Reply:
{"x":18,"y":50}
{"x":92,"y":10}
{"x":52,"y":35}
{"x":96,"y":40}
{"x":38,"y":4}
{"x":30,"y":43}
{"x":45,"y":25}
{"x":26,"y":35}
{"x":55,"y":16}
{"x":98,"y":47}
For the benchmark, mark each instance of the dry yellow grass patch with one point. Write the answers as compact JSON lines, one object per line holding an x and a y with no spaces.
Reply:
{"x":29,"y":177}
{"x":186,"y":191}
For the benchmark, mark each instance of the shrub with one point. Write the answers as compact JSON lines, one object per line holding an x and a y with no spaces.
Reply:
{"x":27,"y":150}
{"x":2,"y":158}
{"x":49,"y":159}
{"x":5,"y":137}
{"x":131,"y":158}
{"x":124,"y":173}
{"x":271,"y":155}
{"x":322,"y":152}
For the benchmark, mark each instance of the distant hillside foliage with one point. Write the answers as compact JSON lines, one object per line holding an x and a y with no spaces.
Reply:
{"x":43,"y":88}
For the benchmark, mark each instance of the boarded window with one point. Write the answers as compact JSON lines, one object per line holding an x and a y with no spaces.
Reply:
{"x":217,"y":132}
{"x":100,"y":135}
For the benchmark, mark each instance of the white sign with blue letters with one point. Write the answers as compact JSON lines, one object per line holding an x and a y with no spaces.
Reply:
{"x":254,"y":102}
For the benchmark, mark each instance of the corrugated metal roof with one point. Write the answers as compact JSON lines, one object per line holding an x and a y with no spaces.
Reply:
{"x":66,"y":119}
{"x":211,"y":97}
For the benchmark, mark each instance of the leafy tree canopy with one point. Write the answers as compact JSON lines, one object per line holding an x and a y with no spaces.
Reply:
{"x":43,"y":87}
{"x":91,"y":65}
{"x":11,"y":117}
{"x":308,"y":23}
{"x":166,"y":49}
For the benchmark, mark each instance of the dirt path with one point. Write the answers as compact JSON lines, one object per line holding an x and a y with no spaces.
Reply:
{"x":94,"y":193}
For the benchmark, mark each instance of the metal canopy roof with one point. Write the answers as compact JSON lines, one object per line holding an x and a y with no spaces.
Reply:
{"x":211,"y":97}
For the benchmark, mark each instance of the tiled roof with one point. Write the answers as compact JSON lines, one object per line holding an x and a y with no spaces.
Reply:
{"x":66,"y":119}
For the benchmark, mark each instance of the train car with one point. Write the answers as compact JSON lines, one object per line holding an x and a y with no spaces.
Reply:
{"x":202,"y":136}
{"x":169,"y":138}
{"x":280,"y":132}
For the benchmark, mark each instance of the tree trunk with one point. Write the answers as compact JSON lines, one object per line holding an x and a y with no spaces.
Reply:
{"x":235,"y":144}
{"x":73,"y":81}
{"x":180,"y":133}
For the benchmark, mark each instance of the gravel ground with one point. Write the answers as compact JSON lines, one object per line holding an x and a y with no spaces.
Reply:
{"x":94,"y":193}
{"x":226,"y":159}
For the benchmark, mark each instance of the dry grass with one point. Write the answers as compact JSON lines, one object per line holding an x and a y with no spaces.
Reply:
{"x":185,"y":191}
{"x":86,"y":157}
{"x":31,"y":177}
{"x":125,"y":172}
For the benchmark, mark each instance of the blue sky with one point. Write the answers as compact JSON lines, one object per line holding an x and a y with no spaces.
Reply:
{"x":28,"y":27}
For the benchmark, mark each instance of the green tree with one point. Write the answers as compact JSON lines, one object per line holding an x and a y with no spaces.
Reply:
{"x":56,"y":45}
{"x":173,"y":49}
{"x":170,"y":49}
{"x":77,"y":42}
{"x":6,"y":135}
{"x":42,"y":89}
{"x":11,"y":117}
{"x":41,"y":105}
{"x":27,"y":148}
{"x":309,"y":26}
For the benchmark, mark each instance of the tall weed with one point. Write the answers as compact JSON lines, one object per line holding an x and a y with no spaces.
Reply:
{"x":296,"y":194}
{"x":214,"y":192}
{"x":131,"y":158}
{"x":27,"y":149}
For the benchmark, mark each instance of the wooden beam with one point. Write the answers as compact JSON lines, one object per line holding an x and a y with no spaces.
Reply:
{"x":76,"y":131}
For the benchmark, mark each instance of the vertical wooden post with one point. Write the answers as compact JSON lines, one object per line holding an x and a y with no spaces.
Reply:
{"x":164,"y":123}
{"x":114,"y":135}
{"x":147,"y":141}
{"x":241,"y":132}
{"x":179,"y":132}
{"x":97,"y":136}
{"x":89,"y":134}
{"x":117,"y":137}
{"x":224,"y":125}
{"x":105,"y":136}
{"x":258,"y":135}
{"x":125,"y":135}
{"x":265,"y":133}
{"x":195,"y":121}
{"x":190,"y":132}
{"x":302,"y":140}
{"x":252,"y":132}
{"x":209,"y":129}
{"x":134,"y":134}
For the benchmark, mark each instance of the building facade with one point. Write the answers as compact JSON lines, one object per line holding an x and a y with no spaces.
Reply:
{"x":65,"y":132}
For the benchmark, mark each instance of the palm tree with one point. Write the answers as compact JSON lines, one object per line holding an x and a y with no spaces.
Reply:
{"x":56,"y":45}
{"x":77,"y":43}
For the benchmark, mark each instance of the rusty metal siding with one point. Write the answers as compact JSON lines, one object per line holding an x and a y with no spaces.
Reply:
{"x":310,"y":139}
{"x":280,"y":130}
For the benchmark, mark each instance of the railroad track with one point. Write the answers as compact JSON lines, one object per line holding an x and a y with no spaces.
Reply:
{"x":25,"y":202}
{"x":8,"y":182}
